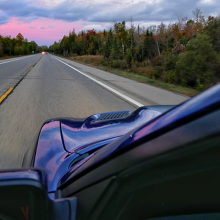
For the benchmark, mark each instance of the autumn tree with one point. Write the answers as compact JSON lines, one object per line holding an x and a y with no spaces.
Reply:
{"x":199,"y":20}
{"x":20,"y":39}
{"x":186,"y":52}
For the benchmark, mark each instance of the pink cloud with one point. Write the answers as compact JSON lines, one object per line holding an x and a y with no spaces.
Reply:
{"x":54,"y":29}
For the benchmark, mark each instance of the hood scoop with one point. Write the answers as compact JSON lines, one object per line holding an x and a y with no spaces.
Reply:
{"x":113,"y":115}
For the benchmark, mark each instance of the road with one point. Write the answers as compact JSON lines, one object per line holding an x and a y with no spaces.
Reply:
{"x":13,"y":70}
{"x":56,"y":87}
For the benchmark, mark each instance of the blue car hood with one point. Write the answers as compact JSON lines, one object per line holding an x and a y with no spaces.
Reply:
{"x":62,"y":140}
{"x":202,"y":104}
{"x":77,"y":135}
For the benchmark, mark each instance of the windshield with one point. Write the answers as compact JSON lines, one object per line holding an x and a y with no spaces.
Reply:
{"x":71,"y":60}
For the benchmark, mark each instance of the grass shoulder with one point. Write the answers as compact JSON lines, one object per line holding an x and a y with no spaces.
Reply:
{"x":94,"y":61}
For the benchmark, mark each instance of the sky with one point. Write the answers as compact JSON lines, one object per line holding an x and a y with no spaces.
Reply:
{"x":46,"y":21}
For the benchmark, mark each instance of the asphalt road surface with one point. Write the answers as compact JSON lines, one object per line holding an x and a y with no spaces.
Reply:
{"x":56,"y":87}
{"x":12,"y":70}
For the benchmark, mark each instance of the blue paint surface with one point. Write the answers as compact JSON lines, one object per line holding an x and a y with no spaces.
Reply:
{"x":193,"y":108}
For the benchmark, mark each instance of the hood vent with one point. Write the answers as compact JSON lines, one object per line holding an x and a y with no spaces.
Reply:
{"x":113,"y":115}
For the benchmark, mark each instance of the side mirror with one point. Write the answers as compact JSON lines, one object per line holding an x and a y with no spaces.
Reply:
{"x":23,"y":196}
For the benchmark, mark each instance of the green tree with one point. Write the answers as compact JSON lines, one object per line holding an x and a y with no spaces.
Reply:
{"x":72,"y":41}
{"x":25,"y":46}
{"x":213,"y":30}
{"x":65,"y":45}
{"x":108,"y":46}
{"x":196,"y":67}
{"x":121,"y":34}
{"x":1,"y":46}
{"x":116,"y":50}
{"x":7,"y":45}
{"x":149,"y":46}
{"x":29,"y":48}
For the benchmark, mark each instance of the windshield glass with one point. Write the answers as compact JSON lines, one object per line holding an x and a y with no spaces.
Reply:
{"x":65,"y":62}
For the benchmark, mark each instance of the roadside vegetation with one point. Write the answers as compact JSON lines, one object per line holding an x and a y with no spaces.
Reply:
{"x":185,"y":54}
{"x":97,"y":62}
{"x":10,"y":47}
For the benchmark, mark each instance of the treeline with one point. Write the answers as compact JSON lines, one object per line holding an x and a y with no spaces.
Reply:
{"x":186,"y":53}
{"x":17,"y":46}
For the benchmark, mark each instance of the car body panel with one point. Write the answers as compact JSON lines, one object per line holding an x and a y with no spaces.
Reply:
{"x":50,"y":152}
{"x":90,"y":131}
{"x":62,"y":141}
{"x":85,"y":175}
{"x":190,"y":110}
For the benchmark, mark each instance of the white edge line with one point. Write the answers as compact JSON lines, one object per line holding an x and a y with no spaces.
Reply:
{"x":104,"y":85}
{"x":15,"y":60}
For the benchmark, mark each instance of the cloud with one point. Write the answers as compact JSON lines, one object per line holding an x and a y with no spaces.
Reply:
{"x":42,"y":28}
{"x":97,"y":27}
{"x":4,"y":18}
{"x":2,"y":21}
{"x":108,"y":11}
{"x":51,"y":26}
{"x":32,"y":27}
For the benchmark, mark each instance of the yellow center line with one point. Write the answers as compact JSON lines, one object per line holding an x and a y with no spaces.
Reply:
{"x":6,"y":94}
{"x":31,"y":67}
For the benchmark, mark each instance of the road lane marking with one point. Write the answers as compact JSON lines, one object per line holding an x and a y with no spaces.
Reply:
{"x":6,"y":94}
{"x":14,"y":60}
{"x":31,"y":68}
{"x":104,"y":85}
{"x":9,"y":91}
